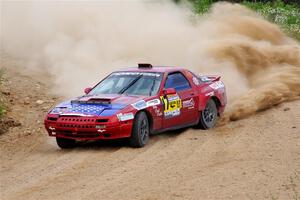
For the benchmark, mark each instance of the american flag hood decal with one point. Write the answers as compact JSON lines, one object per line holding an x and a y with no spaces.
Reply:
{"x":95,"y":105}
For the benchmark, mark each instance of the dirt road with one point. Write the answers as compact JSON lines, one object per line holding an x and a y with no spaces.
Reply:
{"x":254,"y":158}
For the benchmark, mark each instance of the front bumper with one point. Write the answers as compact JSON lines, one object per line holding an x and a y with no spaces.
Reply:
{"x":87,"y":128}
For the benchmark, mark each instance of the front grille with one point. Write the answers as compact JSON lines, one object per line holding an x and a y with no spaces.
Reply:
{"x":76,"y":119}
{"x":83,"y":124}
{"x":75,"y":126}
{"x":81,"y":119}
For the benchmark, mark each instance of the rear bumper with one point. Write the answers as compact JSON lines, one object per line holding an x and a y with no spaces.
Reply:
{"x":87,"y":128}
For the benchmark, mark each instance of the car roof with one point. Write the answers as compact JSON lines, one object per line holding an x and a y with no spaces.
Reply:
{"x":161,"y":69}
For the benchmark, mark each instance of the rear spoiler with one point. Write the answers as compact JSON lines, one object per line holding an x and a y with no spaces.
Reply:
{"x":209,"y":78}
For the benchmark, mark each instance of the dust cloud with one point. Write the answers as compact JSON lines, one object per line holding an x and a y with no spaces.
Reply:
{"x":81,"y":42}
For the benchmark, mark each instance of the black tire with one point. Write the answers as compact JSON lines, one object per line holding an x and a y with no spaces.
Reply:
{"x":64,"y":143}
{"x":208,"y":116}
{"x":140,"y":131}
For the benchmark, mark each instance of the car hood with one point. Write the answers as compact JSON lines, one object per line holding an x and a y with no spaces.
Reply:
{"x":100,"y":105}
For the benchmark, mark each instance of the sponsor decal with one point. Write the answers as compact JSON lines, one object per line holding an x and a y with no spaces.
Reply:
{"x":157,"y":111}
{"x":188,"y":103}
{"x":172,"y":113}
{"x":217,"y":85}
{"x":125,"y":117}
{"x":136,"y":74}
{"x":210,"y":94}
{"x":100,"y":126}
{"x":195,"y":80}
{"x":205,"y":78}
{"x":173,"y":97}
{"x":172,"y":105}
{"x":140,"y":105}
{"x":153,"y":102}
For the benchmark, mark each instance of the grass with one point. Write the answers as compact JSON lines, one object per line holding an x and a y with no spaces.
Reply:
{"x":287,"y":16}
{"x":202,"y":6}
{"x":1,"y":110}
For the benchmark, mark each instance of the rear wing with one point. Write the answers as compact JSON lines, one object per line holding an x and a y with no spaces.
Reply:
{"x":211,"y":78}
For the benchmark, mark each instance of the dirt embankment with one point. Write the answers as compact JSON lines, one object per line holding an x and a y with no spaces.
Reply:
{"x":254,"y":158}
{"x":26,"y":99}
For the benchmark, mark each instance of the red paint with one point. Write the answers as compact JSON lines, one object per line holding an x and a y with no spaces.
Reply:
{"x":193,"y":100}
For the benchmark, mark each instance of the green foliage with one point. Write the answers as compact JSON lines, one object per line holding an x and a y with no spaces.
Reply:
{"x":202,"y":6}
{"x":1,"y":75}
{"x":2,"y":109}
{"x":286,"y":15}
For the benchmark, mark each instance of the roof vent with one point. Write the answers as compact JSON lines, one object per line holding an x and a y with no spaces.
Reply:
{"x":145,"y":65}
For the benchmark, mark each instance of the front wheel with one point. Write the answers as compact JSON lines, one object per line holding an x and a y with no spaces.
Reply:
{"x":208,"y":116}
{"x":140,"y":131}
{"x":65,"y":143}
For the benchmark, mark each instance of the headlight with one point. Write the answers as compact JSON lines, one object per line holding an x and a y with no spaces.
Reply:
{"x":57,"y":110}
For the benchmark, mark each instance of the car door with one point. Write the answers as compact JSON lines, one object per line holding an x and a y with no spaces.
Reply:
{"x":179,"y":109}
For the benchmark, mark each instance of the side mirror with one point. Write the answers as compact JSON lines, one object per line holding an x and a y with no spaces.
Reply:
{"x":87,"y":90}
{"x":169,"y":91}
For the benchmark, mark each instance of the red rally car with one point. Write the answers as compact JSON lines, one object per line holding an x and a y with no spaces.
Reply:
{"x":136,"y":102}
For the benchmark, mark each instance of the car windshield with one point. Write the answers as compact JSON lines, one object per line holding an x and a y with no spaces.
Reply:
{"x":131,"y":83}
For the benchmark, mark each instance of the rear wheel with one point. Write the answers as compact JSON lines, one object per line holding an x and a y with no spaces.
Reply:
{"x":140,"y":131}
{"x":208,"y":116}
{"x":65,"y":143}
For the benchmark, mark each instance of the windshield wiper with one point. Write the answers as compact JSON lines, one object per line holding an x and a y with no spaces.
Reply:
{"x":152,"y":87}
{"x":130,"y":84}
